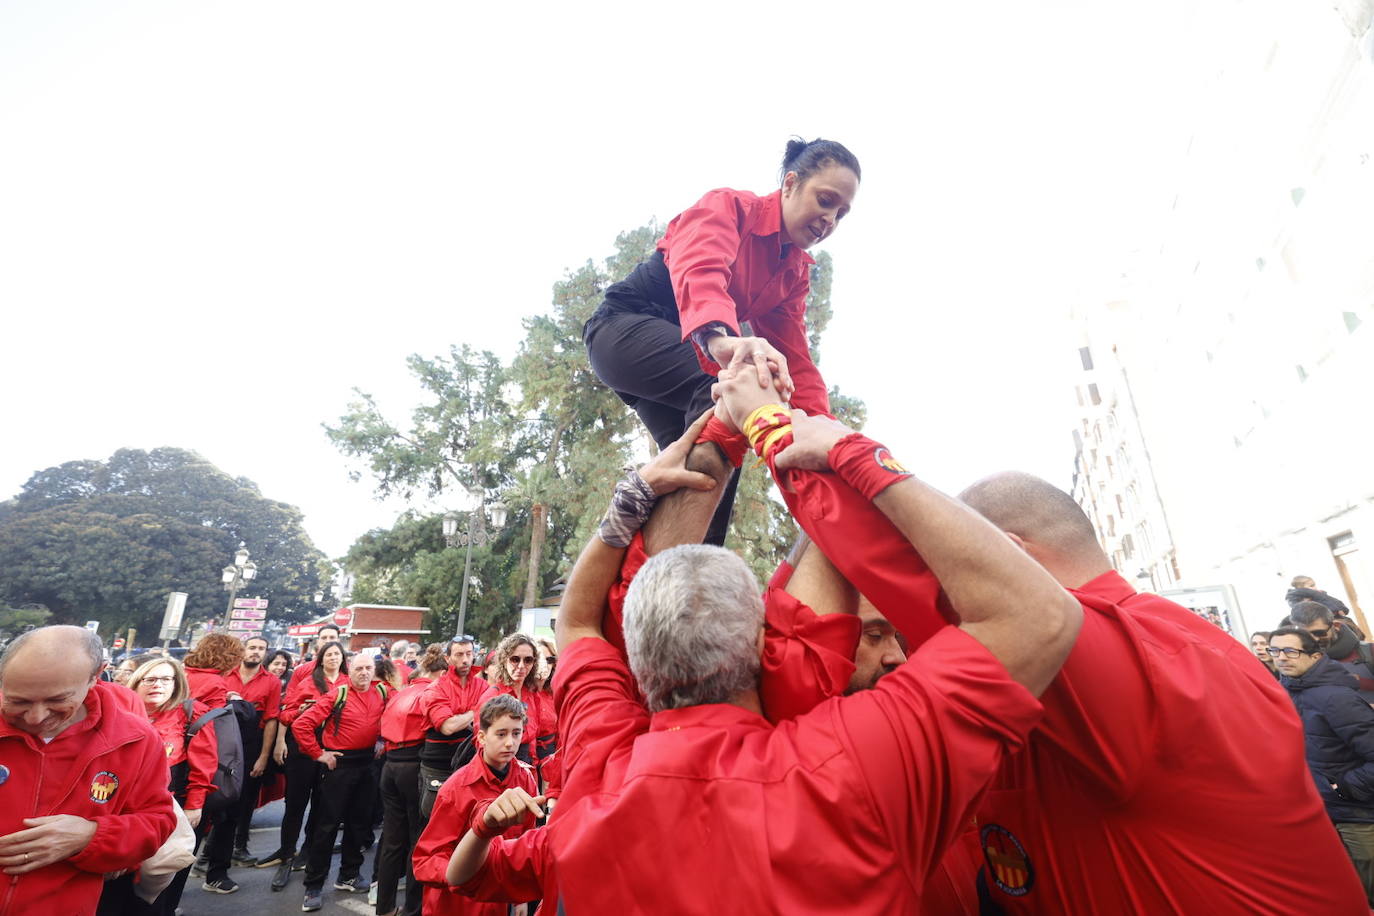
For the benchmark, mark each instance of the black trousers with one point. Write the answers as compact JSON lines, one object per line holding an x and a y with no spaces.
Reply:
{"x":302,"y":781}
{"x":643,"y":359}
{"x":340,"y":792}
{"x":248,"y":800}
{"x":401,"y":826}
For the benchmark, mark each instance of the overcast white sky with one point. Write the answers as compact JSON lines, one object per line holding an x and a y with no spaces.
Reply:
{"x":217,"y":219}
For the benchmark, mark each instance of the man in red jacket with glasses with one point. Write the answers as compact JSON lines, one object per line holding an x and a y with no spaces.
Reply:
{"x":83,"y":781}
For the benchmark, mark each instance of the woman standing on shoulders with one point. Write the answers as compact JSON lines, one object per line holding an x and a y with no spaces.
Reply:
{"x":734,"y":257}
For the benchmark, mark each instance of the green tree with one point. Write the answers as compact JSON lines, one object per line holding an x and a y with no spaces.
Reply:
{"x":109,"y":540}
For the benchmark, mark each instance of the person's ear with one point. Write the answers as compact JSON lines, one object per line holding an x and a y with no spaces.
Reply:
{"x":789,"y":184}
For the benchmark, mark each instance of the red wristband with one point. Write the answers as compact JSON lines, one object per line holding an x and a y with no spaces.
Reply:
{"x":865,"y":465}
{"x":479,"y":824}
{"x":734,"y":445}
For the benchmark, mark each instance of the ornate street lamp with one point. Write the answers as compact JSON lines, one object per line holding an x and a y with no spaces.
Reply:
{"x":476,"y":533}
{"x":233,"y":577}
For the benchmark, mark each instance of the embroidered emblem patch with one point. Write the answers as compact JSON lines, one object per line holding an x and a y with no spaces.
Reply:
{"x":1008,"y":865}
{"x":104,"y":786}
{"x":887,"y":462}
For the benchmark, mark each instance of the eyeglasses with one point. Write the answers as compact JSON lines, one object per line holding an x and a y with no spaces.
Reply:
{"x":159,"y":680}
{"x":522,"y":659}
{"x":1288,"y":652}
{"x":1318,"y":634}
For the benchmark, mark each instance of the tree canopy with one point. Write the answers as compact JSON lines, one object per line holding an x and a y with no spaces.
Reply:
{"x":109,"y":540}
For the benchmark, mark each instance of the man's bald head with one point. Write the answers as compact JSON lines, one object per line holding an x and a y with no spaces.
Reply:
{"x":45,"y":676}
{"x":1045,"y":520}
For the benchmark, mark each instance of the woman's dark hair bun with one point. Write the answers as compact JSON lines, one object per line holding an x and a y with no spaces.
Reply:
{"x":805,"y":157}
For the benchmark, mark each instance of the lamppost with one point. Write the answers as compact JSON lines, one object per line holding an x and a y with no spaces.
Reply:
{"x":233,"y":577}
{"x":476,"y":533}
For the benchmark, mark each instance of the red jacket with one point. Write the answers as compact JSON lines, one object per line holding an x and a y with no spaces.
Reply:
{"x":453,"y":811}
{"x":868,"y":788}
{"x":302,"y":693}
{"x":208,"y":686}
{"x":726,"y":260}
{"x":356,"y":727}
{"x":1168,"y":776}
{"x":109,"y":768}
{"x":202,"y":753}
{"x":448,"y":697}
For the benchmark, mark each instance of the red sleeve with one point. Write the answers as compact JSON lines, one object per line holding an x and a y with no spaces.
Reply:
{"x":807,"y":657}
{"x":612,"y":619}
{"x":306,"y":723}
{"x":867,"y":550}
{"x":447,"y":824}
{"x":595,"y":698}
{"x":271,"y":704}
{"x":298,"y":692}
{"x":700,"y":249}
{"x":1100,"y":709}
{"x":202,"y":757}
{"x":515,"y":871}
{"x":491,"y":691}
{"x":144,"y":821}
{"x":928,"y":738}
{"x":785,"y":328}
{"x":439,"y":701}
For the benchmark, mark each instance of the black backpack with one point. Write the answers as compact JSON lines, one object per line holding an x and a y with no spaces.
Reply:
{"x":228,"y":778}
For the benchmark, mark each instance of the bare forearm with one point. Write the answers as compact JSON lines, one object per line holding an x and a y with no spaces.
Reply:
{"x":454,"y":724}
{"x":1005,"y":599}
{"x":269,"y":740}
{"x":467,"y":858}
{"x":584,"y":600}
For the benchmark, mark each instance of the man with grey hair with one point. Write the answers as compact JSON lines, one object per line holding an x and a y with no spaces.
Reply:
{"x":86,"y":778}
{"x":867,"y":789}
{"x":1339,"y":640}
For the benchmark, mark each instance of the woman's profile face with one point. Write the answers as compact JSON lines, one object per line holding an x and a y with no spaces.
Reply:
{"x":811,"y":209}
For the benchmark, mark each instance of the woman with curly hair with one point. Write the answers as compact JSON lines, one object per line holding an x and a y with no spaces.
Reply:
{"x":517,"y":674}
{"x":213,"y":657}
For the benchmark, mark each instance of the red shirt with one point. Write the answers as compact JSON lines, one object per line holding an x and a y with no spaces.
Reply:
{"x":202,"y":753}
{"x":263,"y":691}
{"x":867,"y":789}
{"x":405,"y":719}
{"x":447,"y":697}
{"x":453,"y":809}
{"x":727,"y":262}
{"x":302,"y":693}
{"x":1168,"y":776}
{"x":109,"y":768}
{"x":356,"y":727}
{"x":208,"y":686}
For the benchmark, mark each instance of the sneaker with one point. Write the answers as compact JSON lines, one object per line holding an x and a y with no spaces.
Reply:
{"x":223,"y":885}
{"x":355,"y":885}
{"x":282,"y":877}
{"x":372,"y":895}
{"x":298,"y":863}
{"x":243,"y":858}
{"x":198,"y":869}
{"x":272,"y":858}
{"x":312,"y":902}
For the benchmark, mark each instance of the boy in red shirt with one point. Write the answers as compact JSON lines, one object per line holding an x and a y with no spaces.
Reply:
{"x":472,"y":787}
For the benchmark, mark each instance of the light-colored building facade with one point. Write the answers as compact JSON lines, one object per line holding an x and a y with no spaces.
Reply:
{"x":1245,"y":334}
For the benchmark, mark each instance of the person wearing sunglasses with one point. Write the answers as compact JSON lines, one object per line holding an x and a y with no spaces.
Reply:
{"x":1338,"y":642}
{"x":517,"y":675}
{"x":1338,"y":727}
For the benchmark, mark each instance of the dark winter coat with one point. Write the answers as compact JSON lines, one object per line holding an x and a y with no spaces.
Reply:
{"x":1339,"y":730}
{"x":1335,"y":605}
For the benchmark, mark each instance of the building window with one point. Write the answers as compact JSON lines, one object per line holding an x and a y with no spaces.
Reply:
{"x":1086,"y":355}
{"x":1352,"y":321}
{"x":1127,"y":546}
{"x":1078,"y":390}
{"x":1093,"y":395}
{"x":1120,"y":505}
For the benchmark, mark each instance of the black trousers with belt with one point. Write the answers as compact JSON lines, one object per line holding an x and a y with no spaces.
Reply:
{"x":635,"y":346}
{"x":342,"y":798}
{"x":401,"y":826}
{"x":302,"y":784}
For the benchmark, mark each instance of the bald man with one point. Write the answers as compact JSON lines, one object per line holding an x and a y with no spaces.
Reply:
{"x":83,"y":781}
{"x":1167,"y":774}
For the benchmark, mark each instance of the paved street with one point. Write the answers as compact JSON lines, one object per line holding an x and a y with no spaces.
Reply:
{"x":255,"y":895}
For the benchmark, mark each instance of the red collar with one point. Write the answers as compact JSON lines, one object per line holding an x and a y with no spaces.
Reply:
{"x":709,"y":715}
{"x":1109,"y":586}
